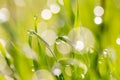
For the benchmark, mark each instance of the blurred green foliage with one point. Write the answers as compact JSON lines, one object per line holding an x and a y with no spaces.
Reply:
{"x":32,"y":48}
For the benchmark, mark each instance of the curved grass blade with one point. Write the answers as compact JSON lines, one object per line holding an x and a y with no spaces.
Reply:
{"x":47,"y":45}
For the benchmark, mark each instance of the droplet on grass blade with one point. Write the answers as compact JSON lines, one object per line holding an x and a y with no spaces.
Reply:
{"x":63,"y":47}
{"x":82,"y":38}
{"x":110,"y":52}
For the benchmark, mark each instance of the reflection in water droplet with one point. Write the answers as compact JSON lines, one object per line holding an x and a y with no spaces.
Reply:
{"x":46,"y":14}
{"x":98,"y":11}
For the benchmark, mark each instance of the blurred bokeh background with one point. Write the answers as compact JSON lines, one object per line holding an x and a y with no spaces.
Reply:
{"x":59,"y":39}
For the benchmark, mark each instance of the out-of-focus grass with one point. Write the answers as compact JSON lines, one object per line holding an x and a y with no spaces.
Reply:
{"x":68,"y":46}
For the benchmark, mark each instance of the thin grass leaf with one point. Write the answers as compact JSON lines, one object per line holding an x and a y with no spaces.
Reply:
{"x":47,"y":45}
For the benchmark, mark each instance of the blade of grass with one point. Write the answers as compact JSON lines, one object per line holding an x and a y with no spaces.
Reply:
{"x":46,"y":44}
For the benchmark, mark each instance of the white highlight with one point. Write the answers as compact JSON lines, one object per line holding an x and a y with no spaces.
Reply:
{"x":57,"y":71}
{"x":79,"y":45}
{"x":98,"y":11}
{"x":46,"y":14}
{"x":105,"y":52}
{"x":118,"y":41}
{"x":4,"y":15}
{"x":54,"y":8}
{"x":98,"y":20}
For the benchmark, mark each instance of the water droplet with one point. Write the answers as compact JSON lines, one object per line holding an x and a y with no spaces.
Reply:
{"x":46,"y":14}
{"x":98,"y":20}
{"x":98,"y":11}
{"x":63,"y":47}
{"x":54,"y":8}
{"x":80,"y":36}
